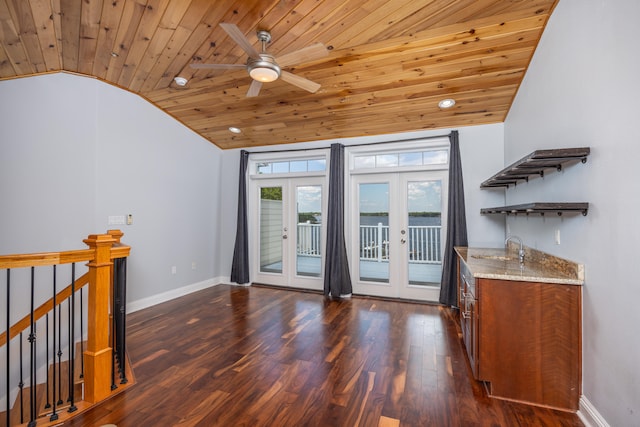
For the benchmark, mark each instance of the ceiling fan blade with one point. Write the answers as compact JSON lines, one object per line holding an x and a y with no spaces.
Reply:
{"x":301,"y":82}
{"x":217,"y":66}
{"x":239,"y":37}
{"x":306,"y":54}
{"x":254,"y":89}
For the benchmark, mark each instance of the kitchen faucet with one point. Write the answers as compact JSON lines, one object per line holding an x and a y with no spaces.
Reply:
{"x":521,"y":251}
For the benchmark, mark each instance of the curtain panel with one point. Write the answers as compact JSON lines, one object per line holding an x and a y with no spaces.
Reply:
{"x":337,"y":280}
{"x":456,"y":226}
{"x":240,"y":264}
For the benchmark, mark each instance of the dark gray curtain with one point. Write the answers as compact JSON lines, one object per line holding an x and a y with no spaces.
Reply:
{"x":456,"y":225}
{"x":240,"y":265}
{"x":337,"y":280}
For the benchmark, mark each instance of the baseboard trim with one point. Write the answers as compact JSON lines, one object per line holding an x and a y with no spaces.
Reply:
{"x":172,"y":294}
{"x":589,"y":415}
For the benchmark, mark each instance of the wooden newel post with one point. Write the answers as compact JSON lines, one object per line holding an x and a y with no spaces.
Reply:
{"x":98,"y":354}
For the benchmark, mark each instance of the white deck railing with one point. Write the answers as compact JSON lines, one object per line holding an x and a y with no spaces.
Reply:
{"x":424,"y":242}
{"x":309,"y":239}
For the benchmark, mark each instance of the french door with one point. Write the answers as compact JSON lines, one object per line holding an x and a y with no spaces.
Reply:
{"x":288,"y":242}
{"x":397,"y":233}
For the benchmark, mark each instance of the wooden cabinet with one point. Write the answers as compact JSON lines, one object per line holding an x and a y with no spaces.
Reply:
{"x":524,"y":339}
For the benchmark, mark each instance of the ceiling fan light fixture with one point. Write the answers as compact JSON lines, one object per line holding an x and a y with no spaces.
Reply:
{"x":265,"y":69}
{"x":447,"y":103}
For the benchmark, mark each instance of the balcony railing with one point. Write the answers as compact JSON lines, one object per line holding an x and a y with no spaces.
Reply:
{"x":424,"y":242}
{"x":309,"y":239}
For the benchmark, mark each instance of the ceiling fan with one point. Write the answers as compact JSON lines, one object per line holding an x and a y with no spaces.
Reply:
{"x":263,"y":67}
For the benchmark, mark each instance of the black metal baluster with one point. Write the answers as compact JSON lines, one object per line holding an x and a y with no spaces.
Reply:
{"x":117,"y":315}
{"x":60,"y":402}
{"x":21,"y":383}
{"x":32,"y":367}
{"x":72,"y":341}
{"x":123,"y":317}
{"x":8,"y":343}
{"x":54,"y":414}
{"x":70,"y":346}
{"x":48,"y":404}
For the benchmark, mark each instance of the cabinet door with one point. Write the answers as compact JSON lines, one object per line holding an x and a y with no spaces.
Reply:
{"x":468,"y":316}
{"x":530,"y":342}
{"x":470,"y":333}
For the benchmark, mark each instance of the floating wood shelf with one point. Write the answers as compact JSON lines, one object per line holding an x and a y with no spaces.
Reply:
{"x":535,"y":164}
{"x":539,"y":208}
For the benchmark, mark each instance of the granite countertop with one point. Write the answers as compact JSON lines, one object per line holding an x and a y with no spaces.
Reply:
{"x":503,"y":264}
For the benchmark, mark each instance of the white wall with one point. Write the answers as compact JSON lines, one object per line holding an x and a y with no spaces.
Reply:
{"x":482,"y":152}
{"x":47,"y":163}
{"x":582,"y":89}
{"x":75,"y":150}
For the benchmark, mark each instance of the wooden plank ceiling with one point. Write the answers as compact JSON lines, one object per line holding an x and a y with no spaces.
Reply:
{"x":389,"y":62}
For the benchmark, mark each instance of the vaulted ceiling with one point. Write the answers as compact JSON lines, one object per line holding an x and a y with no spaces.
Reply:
{"x":389,"y":62}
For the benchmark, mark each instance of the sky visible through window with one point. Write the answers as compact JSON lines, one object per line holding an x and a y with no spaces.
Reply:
{"x":423,"y":196}
{"x":309,"y":198}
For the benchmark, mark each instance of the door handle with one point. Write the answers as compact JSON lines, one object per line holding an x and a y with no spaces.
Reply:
{"x":284,"y":236}
{"x":403,"y":241}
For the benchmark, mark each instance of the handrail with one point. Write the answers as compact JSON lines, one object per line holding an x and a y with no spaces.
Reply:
{"x":44,"y":259}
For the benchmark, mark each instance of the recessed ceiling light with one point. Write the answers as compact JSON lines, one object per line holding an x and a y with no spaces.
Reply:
{"x":447,"y":103}
{"x":180,"y":81}
{"x":234,"y":129}
{"x":115,"y":55}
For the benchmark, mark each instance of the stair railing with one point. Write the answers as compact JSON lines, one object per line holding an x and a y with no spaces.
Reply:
{"x":102,"y":310}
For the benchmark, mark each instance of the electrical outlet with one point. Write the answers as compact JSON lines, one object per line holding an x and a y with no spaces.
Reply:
{"x":193,"y":265}
{"x":557,"y":236}
{"x":174,"y":270}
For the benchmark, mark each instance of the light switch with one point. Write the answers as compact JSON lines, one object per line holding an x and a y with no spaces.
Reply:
{"x":116,"y":220}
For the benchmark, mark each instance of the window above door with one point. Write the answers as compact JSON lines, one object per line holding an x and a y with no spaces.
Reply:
{"x":289,"y":164}
{"x":400,"y":156}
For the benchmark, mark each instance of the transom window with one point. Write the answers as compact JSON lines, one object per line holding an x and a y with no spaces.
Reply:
{"x":290,"y":166}
{"x":401,"y":159}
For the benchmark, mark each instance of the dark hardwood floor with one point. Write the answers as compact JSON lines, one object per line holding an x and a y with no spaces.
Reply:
{"x":231,"y":356}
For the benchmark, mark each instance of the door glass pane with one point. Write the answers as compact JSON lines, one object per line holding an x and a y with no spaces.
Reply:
{"x":424,"y":202}
{"x":374,"y":232}
{"x":309,"y":227}
{"x":271,"y":230}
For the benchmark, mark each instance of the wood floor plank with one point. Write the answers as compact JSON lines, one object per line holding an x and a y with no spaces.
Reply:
{"x":258,"y":356}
